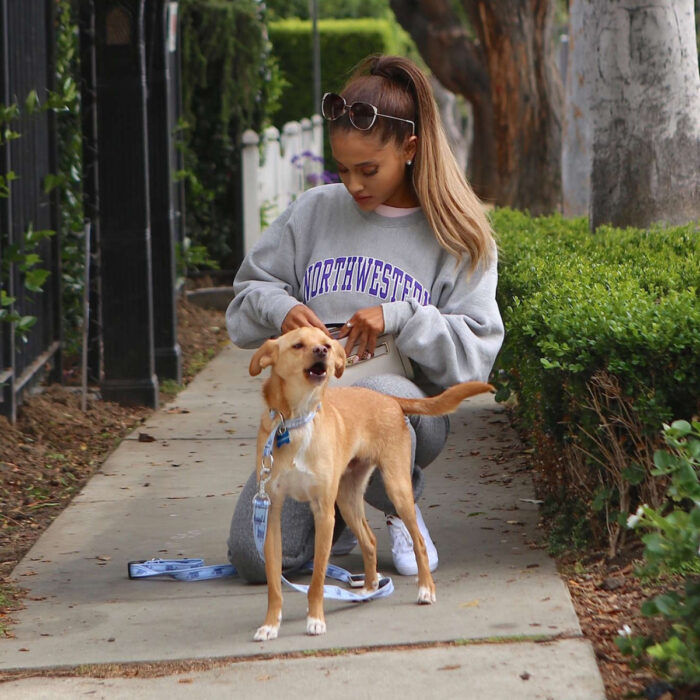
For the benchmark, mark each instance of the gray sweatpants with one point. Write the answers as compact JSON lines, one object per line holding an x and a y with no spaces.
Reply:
{"x":428,"y":437}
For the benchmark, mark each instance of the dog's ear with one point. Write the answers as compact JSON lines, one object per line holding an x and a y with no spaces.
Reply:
{"x":264,"y":356}
{"x":339,"y":358}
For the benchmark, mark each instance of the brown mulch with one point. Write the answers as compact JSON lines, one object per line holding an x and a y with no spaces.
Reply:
{"x":54,"y":448}
{"x":606,"y":596}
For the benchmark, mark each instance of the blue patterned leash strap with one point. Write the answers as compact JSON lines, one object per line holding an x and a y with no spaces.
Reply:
{"x":179,"y":569}
{"x":385,"y":586}
{"x":196,"y":570}
{"x":261,"y":506}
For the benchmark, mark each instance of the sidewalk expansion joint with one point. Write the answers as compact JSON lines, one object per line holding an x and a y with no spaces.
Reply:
{"x":159,"y":669}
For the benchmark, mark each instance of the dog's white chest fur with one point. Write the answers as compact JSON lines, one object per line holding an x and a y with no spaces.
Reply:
{"x":298,"y":479}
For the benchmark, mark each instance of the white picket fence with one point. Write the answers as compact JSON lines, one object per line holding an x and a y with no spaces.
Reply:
{"x":278,"y":170}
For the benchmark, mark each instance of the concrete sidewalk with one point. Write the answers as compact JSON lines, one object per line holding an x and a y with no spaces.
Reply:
{"x":503,"y":626}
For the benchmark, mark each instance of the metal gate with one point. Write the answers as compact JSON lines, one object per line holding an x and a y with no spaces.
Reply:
{"x":26,"y":64}
{"x":131,"y":198}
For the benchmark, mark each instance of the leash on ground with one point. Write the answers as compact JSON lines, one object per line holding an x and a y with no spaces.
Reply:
{"x":385,"y":586}
{"x":197,"y":570}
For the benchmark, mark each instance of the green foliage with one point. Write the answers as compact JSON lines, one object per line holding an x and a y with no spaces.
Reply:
{"x":230,"y":84}
{"x":190,"y":257}
{"x":568,"y":527}
{"x":22,"y":324}
{"x":10,"y":600}
{"x":282,"y":9}
{"x":622,"y":301}
{"x":68,"y":180}
{"x":329,"y":9}
{"x":344,"y":43}
{"x":23,"y":254}
{"x":672,"y":545}
{"x":170,"y":387}
{"x":576,"y":306}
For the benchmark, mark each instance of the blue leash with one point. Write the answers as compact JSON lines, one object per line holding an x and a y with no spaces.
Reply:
{"x":179,"y":569}
{"x":385,"y":587}
{"x":196,"y":570}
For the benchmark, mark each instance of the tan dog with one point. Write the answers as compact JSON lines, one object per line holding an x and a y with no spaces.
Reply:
{"x":330,"y":459}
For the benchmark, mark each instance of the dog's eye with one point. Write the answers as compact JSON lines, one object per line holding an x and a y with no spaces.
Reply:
{"x":298,"y":346}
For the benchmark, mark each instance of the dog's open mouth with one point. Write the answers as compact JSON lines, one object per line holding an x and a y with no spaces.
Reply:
{"x":317,"y":371}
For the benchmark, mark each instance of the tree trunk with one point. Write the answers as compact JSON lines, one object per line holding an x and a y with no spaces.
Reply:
{"x":577,"y":147}
{"x":506,"y":70}
{"x":645,"y":113}
{"x":457,"y":134}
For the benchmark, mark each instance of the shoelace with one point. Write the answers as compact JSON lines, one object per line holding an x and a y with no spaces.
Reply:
{"x":401,"y":538}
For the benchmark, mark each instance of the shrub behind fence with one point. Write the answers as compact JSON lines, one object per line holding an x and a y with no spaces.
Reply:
{"x":229,"y":82}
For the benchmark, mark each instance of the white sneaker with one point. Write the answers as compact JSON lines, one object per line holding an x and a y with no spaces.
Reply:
{"x":402,"y":545}
{"x":344,"y":544}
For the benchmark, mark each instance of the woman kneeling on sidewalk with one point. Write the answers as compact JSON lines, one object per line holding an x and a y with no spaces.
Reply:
{"x":402,"y":247}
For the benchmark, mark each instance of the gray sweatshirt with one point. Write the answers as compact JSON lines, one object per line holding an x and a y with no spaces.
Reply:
{"x":325,"y":252}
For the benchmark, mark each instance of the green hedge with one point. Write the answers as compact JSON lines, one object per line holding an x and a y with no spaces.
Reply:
{"x":335,"y":9}
{"x":618,"y":304}
{"x":343,"y":43}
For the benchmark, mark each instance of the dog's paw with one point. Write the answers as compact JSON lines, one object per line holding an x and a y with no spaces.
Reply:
{"x":366,"y":590}
{"x":266,"y":632}
{"x":314,"y":626}
{"x":425,"y":596}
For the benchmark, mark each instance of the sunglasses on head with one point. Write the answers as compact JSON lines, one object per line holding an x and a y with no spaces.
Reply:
{"x":362,"y":115}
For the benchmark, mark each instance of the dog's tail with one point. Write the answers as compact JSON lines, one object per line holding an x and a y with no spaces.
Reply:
{"x":443,"y":403}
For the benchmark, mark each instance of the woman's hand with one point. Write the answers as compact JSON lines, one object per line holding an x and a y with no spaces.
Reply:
{"x":362,"y":329}
{"x":300,"y":316}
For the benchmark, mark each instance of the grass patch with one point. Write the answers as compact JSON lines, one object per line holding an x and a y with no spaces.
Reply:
{"x":170,"y":387}
{"x":512,"y":639}
{"x":10,"y":600}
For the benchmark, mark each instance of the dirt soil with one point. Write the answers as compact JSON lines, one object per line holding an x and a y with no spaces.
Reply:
{"x":54,"y":448}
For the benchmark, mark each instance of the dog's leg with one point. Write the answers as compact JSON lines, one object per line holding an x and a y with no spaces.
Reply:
{"x":324,"y":520}
{"x":352,"y":509}
{"x":273,"y":571}
{"x":426,"y":585}
{"x":397,"y":482}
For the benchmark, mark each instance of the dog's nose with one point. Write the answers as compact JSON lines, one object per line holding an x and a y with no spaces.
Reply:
{"x":321,"y":351}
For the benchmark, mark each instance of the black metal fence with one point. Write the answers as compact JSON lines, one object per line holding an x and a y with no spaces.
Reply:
{"x":26,"y":64}
{"x":130,"y":106}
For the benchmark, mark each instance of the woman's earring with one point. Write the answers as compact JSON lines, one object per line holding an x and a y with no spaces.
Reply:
{"x":409,"y":162}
